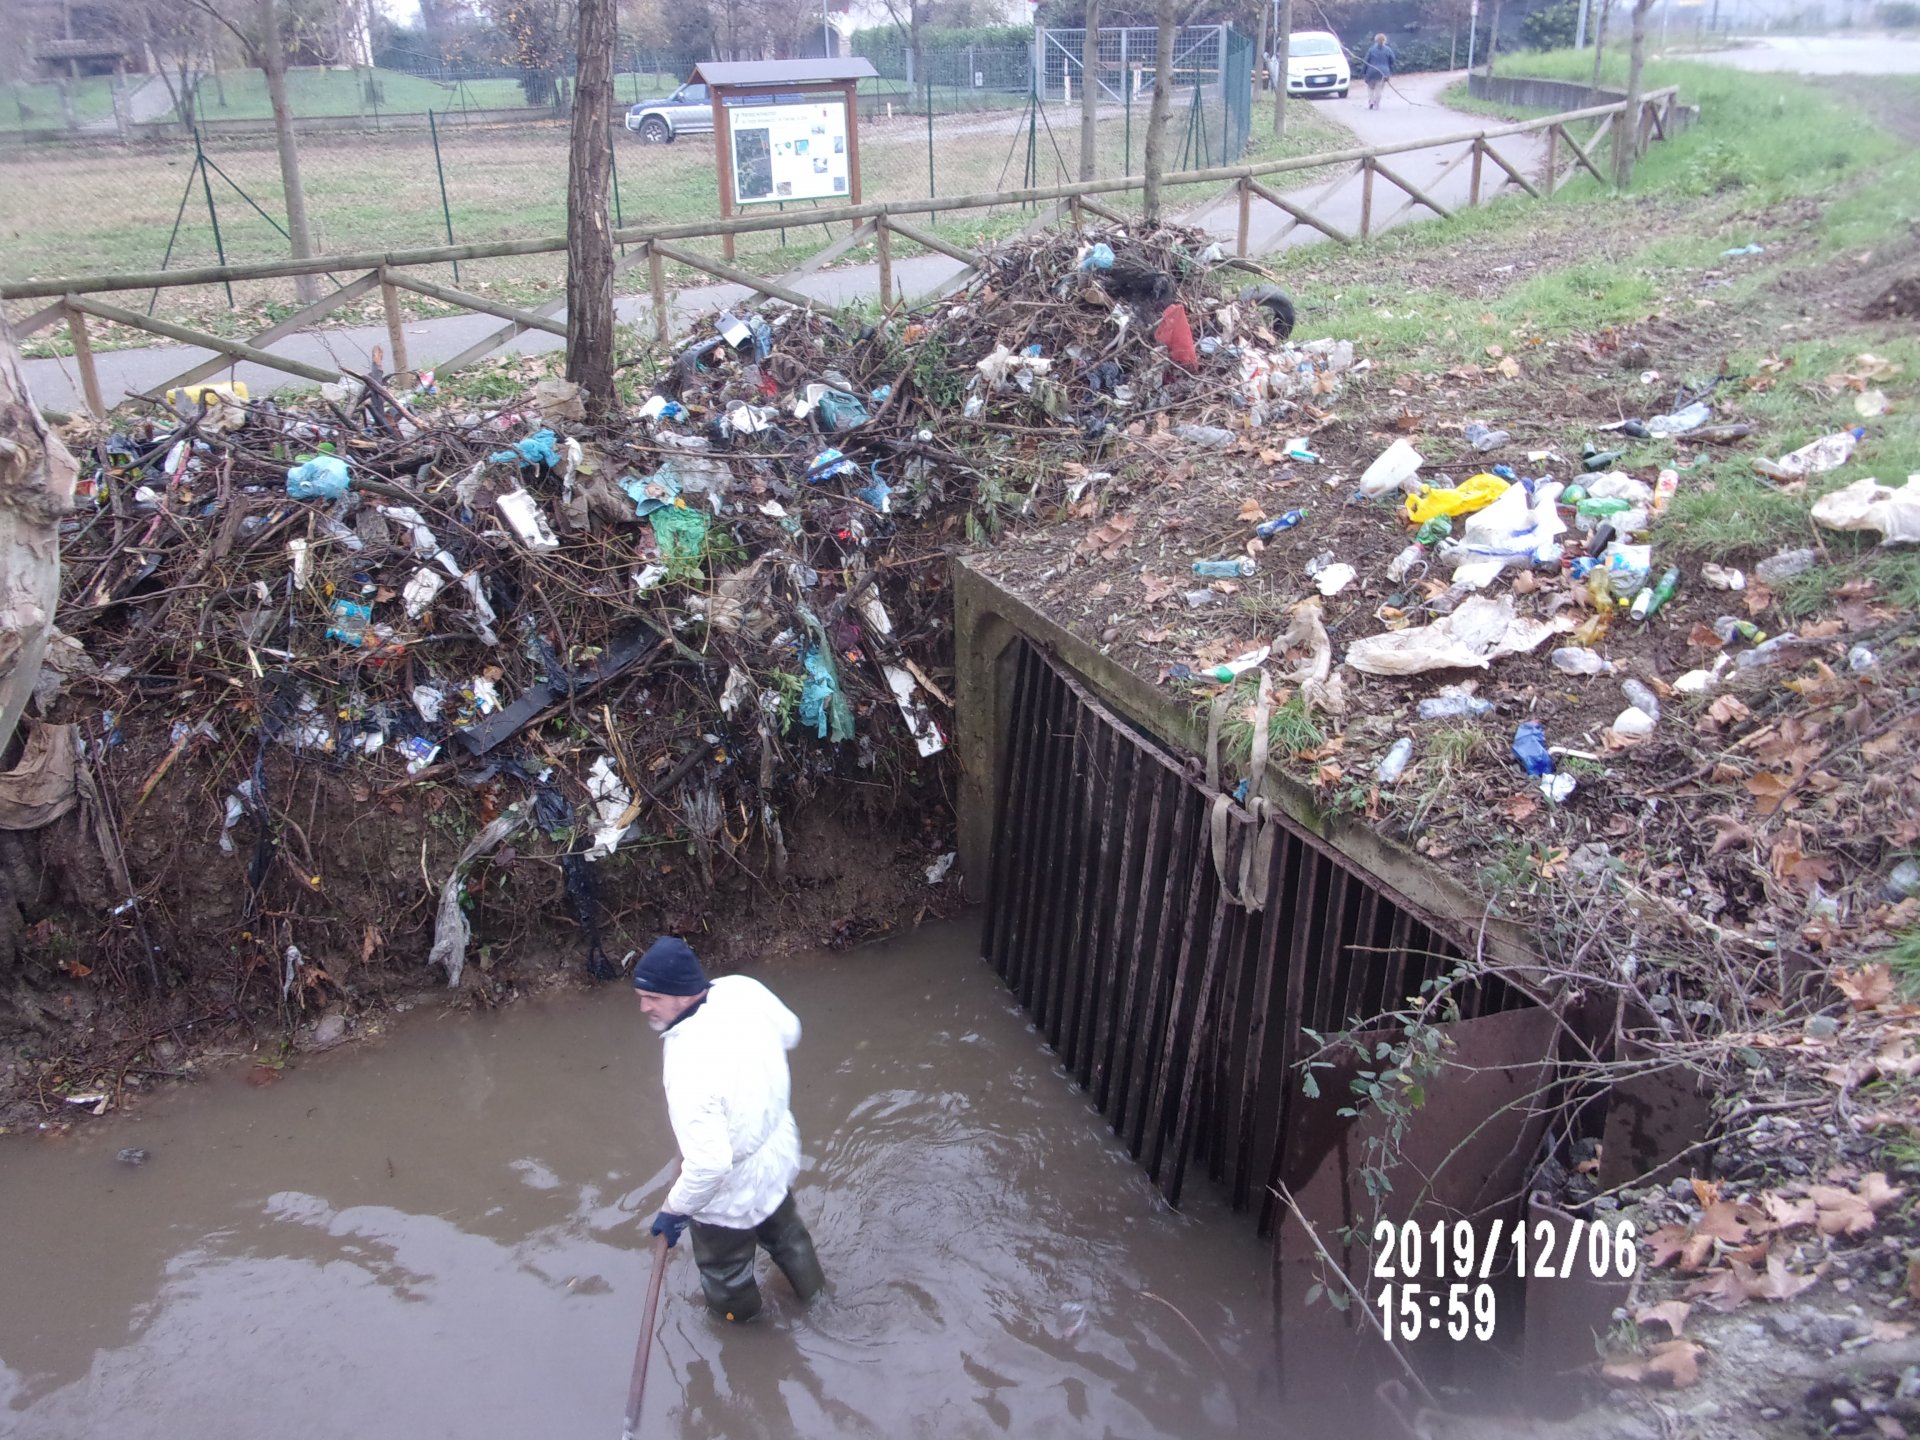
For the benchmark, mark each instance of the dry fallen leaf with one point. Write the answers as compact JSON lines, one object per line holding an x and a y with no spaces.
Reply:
{"x":1868,"y":987}
{"x":1731,"y":1221}
{"x":1727,"y":709}
{"x":1768,"y":791}
{"x":1732,"y":834}
{"x":1518,"y":807}
{"x":1790,"y":1214}
{"x":1250,"y":511}
{"x":1674,"y":1364}
{"x":1884,"y":1330}
{"x":1509,"y":367}
{"x":1670,"y":1313}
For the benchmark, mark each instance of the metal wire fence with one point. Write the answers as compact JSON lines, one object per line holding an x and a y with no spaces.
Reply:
{"x":974,"y":120}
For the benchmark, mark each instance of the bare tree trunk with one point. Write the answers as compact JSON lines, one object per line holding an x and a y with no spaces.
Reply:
{"x":36,"y":489}
{"x":1626,"y":145}
{"x":1261,"y":8}
{"x":1155,"y":157}
{"x":589,"y":225}
{"x":1282,"y":45}
{"x":1090,"y":94}
{"x":1493,"y":38}
{"x":273,"y":62}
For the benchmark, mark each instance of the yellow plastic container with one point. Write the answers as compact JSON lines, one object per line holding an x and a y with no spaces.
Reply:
{"x":1476,"y":492}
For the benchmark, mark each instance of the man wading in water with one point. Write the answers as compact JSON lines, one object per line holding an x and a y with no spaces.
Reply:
{"x":725,"y":1071}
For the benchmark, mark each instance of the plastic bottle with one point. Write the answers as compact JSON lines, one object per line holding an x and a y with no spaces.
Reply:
{"x":1598,"y":506}
{"x":1728,"y":626}
{"x":1267,"y":529}
{"x":1530,"y":748}
{"x":1453,"y":707}
{"x":1769,"y":652}
{"x":1483,"y":438}
{"x":1394,"y":765}
{"x":1681,"y":421}
{"x":1234,"y":569}
{"x":1573,"y":660}
{"x":1402,"y":564}
{"x":1392,"y":469}
{"x":1210,"y":437}
{"x":1640,"y":697}
{"x":1240,"y":665}
{"x":1600,"y":586}
{"x":1648,"y":602}
{"x":1433,"y":531}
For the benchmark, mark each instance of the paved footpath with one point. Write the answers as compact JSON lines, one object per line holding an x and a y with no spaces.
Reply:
{"x":1410,"y":110}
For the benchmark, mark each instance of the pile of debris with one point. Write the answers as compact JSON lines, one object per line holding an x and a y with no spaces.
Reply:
{"x":287,"y":627}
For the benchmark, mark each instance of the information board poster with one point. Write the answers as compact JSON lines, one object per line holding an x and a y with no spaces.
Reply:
{"x":788,"y":147}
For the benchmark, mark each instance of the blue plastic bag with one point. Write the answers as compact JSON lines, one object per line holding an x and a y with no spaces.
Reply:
{"x":534,"y":450}
{"x":819,"y":689}
{"x":322,"y":478}
{"x":1100,"y":257}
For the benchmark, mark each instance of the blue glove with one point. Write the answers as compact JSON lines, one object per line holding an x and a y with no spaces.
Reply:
{"x":670,"y":1225}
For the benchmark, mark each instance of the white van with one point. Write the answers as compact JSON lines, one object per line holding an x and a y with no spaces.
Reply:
{"x":1316,"y":65}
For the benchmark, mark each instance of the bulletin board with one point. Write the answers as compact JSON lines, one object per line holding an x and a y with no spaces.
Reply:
{"x":789,"y":147}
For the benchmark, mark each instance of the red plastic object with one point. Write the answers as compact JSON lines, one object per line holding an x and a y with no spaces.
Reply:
{"x":1176,"y":333}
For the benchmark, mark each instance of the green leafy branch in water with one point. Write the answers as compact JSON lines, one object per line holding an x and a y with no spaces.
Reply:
{"x":1389,"y":1087}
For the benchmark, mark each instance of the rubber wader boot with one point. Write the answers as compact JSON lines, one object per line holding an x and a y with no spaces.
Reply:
{"x":725,"y":1257}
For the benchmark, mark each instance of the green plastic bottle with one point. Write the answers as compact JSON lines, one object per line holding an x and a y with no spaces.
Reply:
{"x":1648,"y":602}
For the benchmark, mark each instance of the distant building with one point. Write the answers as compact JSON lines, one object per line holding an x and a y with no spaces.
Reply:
{"x":64,"y":40}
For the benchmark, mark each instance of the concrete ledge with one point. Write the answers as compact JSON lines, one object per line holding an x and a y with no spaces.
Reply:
{"x":989,"y":619}
{"x":1556,"y":95}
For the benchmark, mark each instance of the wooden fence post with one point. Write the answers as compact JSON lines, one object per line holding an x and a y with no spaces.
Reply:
{"x":83,"y":362}
{"x":1553,"y":160}
{"x":883,"y":249}
{"x":1245,"y":189}
{"x":657,"y":286}
{"x":396,"y":335}
{"x":1479,"y":155}
{"x":1366,"y":197}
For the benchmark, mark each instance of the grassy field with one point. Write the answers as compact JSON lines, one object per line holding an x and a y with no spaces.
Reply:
{"x":35,"y":104}
{"x":242,"y":95}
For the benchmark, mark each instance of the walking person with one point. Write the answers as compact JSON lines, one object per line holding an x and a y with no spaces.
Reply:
{"x":1379,"y":66}
{"x":724,"y":1068}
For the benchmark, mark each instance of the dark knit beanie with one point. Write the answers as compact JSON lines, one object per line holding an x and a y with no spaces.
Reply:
{"x":669,"y":968}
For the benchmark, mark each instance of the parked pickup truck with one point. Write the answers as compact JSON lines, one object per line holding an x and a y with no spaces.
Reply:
{"x":687,"y":111}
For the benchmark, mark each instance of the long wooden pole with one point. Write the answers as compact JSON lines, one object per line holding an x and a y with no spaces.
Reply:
{"x":637,"y":1387}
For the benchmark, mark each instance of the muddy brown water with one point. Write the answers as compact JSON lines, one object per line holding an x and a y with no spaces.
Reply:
{"x":443,"y":1233}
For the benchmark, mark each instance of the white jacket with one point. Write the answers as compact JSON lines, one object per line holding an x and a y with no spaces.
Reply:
{"x":725,"y":1070}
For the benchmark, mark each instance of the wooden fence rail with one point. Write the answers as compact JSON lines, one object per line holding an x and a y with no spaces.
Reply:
{"x":74,"y":300}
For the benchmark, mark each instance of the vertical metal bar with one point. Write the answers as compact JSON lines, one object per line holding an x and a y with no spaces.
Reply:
{"x":657,"y":290}
{"x":1251,"y":1073}
{"x":1064,"y":863}
{"x":619,"y":219}
{"x":1293,"y":1013}
{"x":1185,"y":864}
{"x":1138,"y":847}
{"x":1159,"y":881}
{"x":1098,"y":965}
{"x":1043,"y":826}
{"x":1268,"y":1080}
{"x":213,"y":214}
{"x":1243,"y":930}
{"x":1170,"y":1170}
{"x":1111,"y":774}
{"x":1035,"y":774}
{"x":1006,"y":836}
{"x":440,"y":169}
{"x":1336,"y":959}
{"x":1170,"y":1054}
{"x":1394,"y":990}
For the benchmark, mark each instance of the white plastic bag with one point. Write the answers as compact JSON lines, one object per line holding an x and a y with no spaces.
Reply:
{"x":1393,"y":470}
{"x":1869,"y":505}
